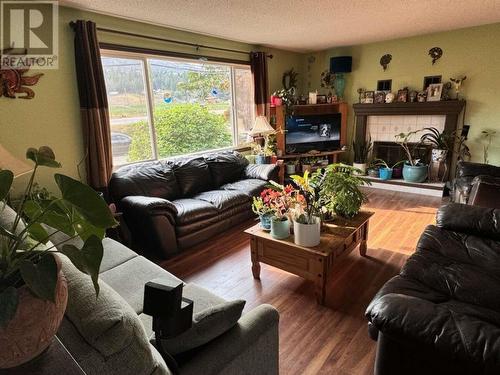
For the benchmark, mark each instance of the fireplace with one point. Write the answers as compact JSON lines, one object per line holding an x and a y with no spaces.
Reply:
{"x":391,"y":152}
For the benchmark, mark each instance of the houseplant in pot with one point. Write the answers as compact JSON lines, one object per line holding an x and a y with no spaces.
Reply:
{"x":305,"y":213}
{"x":440,"y":143}
{"x":280,"y":201}
{"x":261,"y":207}
{"x":385,"y":172}
{"x":33,"y":291}
{"x":339,"y":192}
{"x":413,"y":169}
{"x":361,"y":150}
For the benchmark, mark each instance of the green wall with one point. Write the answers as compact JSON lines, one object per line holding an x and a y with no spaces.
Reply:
{"x":473,"y":52}
{"x":52,"y":117}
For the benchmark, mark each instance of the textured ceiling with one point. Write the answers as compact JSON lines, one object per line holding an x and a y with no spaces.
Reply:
{"x":303,"y":25}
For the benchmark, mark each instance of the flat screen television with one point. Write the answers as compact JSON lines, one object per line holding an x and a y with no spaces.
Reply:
{"x":312,"y":132}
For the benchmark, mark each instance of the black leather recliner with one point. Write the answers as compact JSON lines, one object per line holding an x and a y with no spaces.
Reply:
{"x":441,"y":314}
{"x":171,"y":205}
{"x":466,"y":175}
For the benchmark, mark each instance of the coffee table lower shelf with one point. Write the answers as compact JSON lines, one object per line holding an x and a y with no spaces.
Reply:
{"x":316,"y":263}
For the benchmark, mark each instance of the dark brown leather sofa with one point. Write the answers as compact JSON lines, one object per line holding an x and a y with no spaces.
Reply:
{"x":441,"y":314}
{"x":171,"y":205}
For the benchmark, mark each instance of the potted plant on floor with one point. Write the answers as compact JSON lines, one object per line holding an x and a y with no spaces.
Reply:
{"x":261,"y":207}
{"x":413,"y":169}
{"x":280,"y":200}
{"x":440,"y":143}
{"x":33,"y":291}
{"x":305,"y":213}
{"x":361,"y":150}
{"x":340,"y":193}
{"x":385,"y":172}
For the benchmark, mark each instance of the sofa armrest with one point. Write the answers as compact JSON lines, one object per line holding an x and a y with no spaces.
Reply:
{"x":148,"y":205}
{"x":468,"y":169}
{"x":250,"y":347}
{"x":485,"y":192}
{"x":474,"y":220}
{"x":262,"y":171}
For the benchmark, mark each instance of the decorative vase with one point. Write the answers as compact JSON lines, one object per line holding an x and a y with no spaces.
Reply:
{"x":265,"y":221}
{"x":361,"y":167}
{"x":339,"y":85}
{"x":280,"y":229}
{"x":417,"y":173}
{"x":438,"y":169}
{"x":290,"y":168}
{"x":307,"y":235}
{"x":385,"y":173}
{"x":438,"y":155}
{"x":34,"y":324}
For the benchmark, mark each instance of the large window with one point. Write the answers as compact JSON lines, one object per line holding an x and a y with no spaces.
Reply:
{"x":161,"y":107}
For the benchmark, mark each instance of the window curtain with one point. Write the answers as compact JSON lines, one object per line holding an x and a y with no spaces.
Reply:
{"x":93,"y":105}
{"x":258,"y":64}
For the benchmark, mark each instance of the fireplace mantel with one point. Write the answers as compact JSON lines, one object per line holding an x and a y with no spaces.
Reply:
{"x":449,"y":108}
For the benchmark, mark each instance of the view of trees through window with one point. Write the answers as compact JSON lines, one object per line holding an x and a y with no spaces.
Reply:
{"x":165,"y":107}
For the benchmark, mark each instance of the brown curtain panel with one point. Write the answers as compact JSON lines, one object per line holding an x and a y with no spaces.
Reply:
{"x":93,"y":105}
{"x":258,"y":64}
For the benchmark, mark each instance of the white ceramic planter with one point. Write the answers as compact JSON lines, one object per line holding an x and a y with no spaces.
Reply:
{"x":307,"y":235}
{"x":290,"y":168}
{"x":360,"y":166}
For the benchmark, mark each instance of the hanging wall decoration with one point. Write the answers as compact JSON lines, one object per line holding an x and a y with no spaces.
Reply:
{"x":435,"y":53}
{"x":13,"y":82}
{"x":385,"y":60}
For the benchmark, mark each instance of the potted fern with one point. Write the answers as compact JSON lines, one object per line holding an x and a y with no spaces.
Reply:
{"x":33,"y":291}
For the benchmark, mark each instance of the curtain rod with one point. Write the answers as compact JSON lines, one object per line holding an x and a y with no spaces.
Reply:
{"x":195,"y":45}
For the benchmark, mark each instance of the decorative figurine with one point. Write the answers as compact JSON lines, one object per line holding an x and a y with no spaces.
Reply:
{"x":385,"y":60}
{"x":360,"y":94}
{"x":435,"y":53}
{"x":422,"y":96}
{"x":389,"y":97}
{"x":413,"y":96}
{"x":457,"y":82}
{"x":446,"y":91}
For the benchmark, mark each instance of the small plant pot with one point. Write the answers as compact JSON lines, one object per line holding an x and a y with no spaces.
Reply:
{"x":373,"y":172}
{"x":397,"y":172}
{"x":438,"y":155}
{"x":306,"y":167}
{"x":361,"y":167}
{"x":290,"y":168}
{"x":280,"y":229}
{"x":265,"y":221}
{"x":385,"y":173}
{"x":307,"y":235}
{"x":416,"y":173}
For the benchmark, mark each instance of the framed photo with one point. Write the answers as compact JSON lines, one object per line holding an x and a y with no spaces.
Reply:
{"x":369,"y":97}
{"x":402,"y":96}
{"x":380,"y":97}
{"x":321,"y":99}
{"x":325,"y":130}
{"x":434,"y":92}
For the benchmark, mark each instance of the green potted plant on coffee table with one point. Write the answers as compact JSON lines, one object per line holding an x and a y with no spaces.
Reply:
{"x":280,"y":201}
{"x":33,"y":291}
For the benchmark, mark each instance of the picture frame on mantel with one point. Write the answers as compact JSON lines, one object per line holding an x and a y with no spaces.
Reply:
{"x":434,"y":92}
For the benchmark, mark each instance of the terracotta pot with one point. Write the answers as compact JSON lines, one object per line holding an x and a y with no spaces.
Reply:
{"x":34,"y":325}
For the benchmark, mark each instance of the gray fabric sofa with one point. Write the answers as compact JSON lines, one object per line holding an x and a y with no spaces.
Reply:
{"x":111,"y":335}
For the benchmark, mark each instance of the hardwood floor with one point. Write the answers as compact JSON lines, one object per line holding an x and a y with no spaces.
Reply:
{"x":317,"y":339}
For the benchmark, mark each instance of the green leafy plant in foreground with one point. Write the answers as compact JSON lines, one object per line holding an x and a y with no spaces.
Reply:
{"x":26,"y":255}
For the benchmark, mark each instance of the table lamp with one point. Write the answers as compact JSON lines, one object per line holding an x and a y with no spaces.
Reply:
{"x":340,"y":65}
{"x":260,"y":129}
{"x":10,"y":162}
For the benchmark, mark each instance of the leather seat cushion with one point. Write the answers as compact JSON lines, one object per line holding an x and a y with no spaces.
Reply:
{"x":250,"y":186}
{"x":447,"y":296}
{"x":193,"y":176}
{"x":150,"y":179}
{"x":191,"y":210}
{"x":226,"y":167}
{"x":223,"y":199}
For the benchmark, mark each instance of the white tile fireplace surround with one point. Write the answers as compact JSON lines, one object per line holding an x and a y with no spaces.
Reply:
{"x":384,"y":128}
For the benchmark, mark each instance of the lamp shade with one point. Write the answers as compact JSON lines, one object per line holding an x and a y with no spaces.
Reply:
{"x":341,"y":64}
{"x":10,"y":162}
{"x":262,"y":127}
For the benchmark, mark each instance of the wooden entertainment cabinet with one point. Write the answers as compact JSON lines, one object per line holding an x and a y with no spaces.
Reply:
{"x":310,"y":109}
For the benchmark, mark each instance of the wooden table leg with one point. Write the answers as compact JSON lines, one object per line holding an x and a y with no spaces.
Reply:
{"x":320,"y":282}
{"x":255,"y":259}
{"x":364,"y":239}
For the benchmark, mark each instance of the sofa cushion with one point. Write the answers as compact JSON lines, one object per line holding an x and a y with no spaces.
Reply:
{"x":193,"y":176}
{"x":150,"y":179}
{"x":223,"y":199}
{"x":191,"y":210}
{"x":212,"y":316}
{"x":128,"y":279}
{"x":250,"y":186}
{"x":226,"y":167}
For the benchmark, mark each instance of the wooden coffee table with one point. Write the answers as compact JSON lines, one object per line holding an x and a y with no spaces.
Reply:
{"x":312,"y":263}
